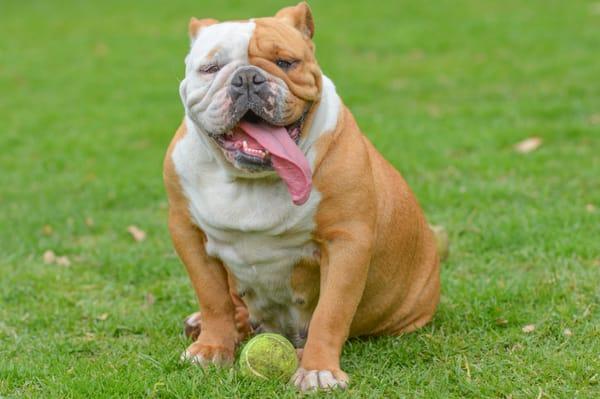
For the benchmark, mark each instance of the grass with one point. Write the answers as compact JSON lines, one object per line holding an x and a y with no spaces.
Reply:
{"x":89,"y":102}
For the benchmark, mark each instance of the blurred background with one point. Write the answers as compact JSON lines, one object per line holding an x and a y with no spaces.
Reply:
{"x":490,"y":109}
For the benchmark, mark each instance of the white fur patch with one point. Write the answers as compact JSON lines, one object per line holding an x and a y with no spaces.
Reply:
{"x":325,"y":119}
{"x":313,"y":380}
{"x":228,"y":41}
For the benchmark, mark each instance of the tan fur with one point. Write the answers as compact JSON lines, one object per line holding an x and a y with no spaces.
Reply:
{"x":305,"y":284}
{"x":378,"y":253}
{"x":300,"y":17}
{"x":273,"y":40}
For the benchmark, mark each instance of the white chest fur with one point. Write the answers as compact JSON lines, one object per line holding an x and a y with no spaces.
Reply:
{"x":252,"y":226}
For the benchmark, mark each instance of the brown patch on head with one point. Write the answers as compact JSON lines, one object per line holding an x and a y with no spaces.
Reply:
{"x":299,"y":17}
{"x":283,"y":38}
{"x":275,"y":40}
{"x":196,"y":25}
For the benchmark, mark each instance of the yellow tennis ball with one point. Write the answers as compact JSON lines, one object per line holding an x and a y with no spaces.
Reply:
{"x":268,"y":356}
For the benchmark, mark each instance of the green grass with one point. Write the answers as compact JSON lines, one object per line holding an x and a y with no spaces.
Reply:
{"x":88,"y":104}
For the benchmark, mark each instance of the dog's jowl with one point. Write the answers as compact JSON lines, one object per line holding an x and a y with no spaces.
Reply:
{"x":285,"y":216}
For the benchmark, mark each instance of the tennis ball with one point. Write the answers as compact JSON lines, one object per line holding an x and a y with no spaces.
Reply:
{"x":268,"y":356}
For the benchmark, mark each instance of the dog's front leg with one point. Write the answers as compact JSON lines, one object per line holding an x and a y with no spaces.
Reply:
{"x":219,"y":335}
{"x":344,"y":268}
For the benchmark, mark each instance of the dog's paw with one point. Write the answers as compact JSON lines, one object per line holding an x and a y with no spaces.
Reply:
{"x":206,"y":354}
{"x":192,"y":325}
{"x":313,"y":380}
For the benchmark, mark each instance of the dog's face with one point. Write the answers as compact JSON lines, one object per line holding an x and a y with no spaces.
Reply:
{"x":247,"y":79}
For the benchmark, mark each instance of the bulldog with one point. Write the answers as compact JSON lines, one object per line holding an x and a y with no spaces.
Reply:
{"x":286,"y":217}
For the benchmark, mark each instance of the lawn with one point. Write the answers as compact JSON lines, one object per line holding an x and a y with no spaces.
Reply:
{"x":445,"y":89}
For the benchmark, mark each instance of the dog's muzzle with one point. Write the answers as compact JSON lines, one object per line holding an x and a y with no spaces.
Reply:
{"x":250,"y":90}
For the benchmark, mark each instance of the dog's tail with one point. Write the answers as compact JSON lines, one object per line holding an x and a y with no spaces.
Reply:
{"x":441,"y":240}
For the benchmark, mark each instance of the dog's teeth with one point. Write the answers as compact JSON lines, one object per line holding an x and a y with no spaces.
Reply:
{"x":261,"y":153}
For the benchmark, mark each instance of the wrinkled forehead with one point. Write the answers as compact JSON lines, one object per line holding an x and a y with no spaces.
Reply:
{"x":224,"y":42}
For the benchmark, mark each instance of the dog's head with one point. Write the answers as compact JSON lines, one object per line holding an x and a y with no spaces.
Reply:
{"x":249,"y":82}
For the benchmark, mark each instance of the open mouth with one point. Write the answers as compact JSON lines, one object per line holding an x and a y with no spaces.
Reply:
{"x":239,"y":146}
{"x":255,"y":145}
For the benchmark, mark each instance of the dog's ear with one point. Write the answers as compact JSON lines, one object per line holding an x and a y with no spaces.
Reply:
{"x":197,"y":24}
{"x":300,"y":17}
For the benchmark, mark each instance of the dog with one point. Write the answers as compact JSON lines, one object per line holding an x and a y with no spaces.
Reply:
{"x":286,"y":217}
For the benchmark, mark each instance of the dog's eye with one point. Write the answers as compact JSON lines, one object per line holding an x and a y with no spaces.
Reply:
{"x":285,"y":64}
{"x":209,"y":68}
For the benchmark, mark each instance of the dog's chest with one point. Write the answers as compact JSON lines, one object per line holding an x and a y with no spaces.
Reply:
{"x":253,"y":227}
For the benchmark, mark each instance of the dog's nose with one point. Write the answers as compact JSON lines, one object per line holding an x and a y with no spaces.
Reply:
{"x":247,"y":80}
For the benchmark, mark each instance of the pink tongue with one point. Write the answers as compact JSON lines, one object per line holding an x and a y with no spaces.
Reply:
{"x":287,"y":159}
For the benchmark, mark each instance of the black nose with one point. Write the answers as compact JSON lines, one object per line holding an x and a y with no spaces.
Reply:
{"x":247,"y":80}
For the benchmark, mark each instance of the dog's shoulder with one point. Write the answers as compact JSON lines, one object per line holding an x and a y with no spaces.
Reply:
{"x":171,"y":178}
